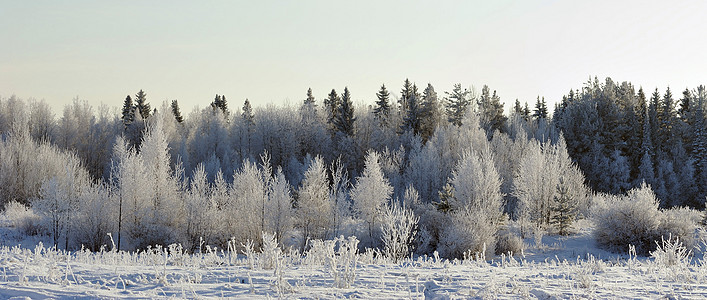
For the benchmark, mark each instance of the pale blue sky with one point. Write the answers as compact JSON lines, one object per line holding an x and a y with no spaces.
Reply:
{"x":272,"y":51}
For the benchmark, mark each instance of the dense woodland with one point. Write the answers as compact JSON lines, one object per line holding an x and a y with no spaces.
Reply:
{"x":421,"y":172}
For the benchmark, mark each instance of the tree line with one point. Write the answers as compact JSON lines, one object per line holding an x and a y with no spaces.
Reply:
{"x":457,"y":165}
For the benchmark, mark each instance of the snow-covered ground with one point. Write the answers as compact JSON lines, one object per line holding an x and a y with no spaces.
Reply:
{"x":570,"y":267}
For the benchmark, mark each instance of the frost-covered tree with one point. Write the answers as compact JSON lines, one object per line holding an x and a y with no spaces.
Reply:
{"x":457,"y":103}
{"x":313,"y":206}
{"x":370,"y":194}
{"x":279,"y":217}
{"x":475,"y":209}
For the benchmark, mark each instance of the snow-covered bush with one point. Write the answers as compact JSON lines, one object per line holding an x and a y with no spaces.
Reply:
{"x":635,"y":220}
{"x":468,"y":232}
{"x":21,"y":217}
{"x":508,"y":243}
{"x":671,"y":252}
{"x":398,"y":229}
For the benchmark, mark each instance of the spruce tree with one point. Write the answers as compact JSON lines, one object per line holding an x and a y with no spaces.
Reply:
{"x":456,"y":105}
{"x":332,"y":103}
{"x":517,"y":108}
{"x":540,"y":111}
{"x":413,"y":114}
{"x":175,"y":111}
{"x":128,"y":115}
{"x":248,"y":114}
{"x":405,"y":94}
{"x":491,"y":110}
{"x":141,"y":105}
{"x":564,"y":210}
{"x":310,"y":97}
{"x":382,"y":109}
{"x":344,"y":121}
{"x":430,"y":112}
{"x":220,"y":103}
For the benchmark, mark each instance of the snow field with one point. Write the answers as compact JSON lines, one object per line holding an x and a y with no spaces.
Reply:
{"x":333,"y":269}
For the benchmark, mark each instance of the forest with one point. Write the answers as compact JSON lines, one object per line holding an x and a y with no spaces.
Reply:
{"x":420,"y":172}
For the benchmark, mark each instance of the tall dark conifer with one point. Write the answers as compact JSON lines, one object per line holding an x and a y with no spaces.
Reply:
{"x":344,"y":121}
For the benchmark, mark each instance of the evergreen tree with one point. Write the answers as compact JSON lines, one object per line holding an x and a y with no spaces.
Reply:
{"x":491,"y":110}
{"x":175,"y":111}
{"x":405,"y":94}
{"x":332,"y":103}
{"x":526,"y":111}
{"x":667,"y":117}
{"x":564,"y":209}
{"x":413,"y":115}
{"x":310,"y":98}
{"x":248,"y":114}
{"x":128,"y":115}
{"x":382,"y":109}
{"x":699,"y":144}
{"x":457,"y":104}
{"x":654,"y":109}
{"x":344,"y":121}
{"x":540,"y":111}
{"x":220,"y":103}
{"x":431,"y":116}
{"x":141,"y":104}
{"x":517,"y":108}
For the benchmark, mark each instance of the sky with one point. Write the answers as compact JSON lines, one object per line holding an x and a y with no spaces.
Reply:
{"x":272,"y":51}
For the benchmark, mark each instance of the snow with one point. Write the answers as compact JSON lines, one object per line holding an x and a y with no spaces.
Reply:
{"x":562,"y":267}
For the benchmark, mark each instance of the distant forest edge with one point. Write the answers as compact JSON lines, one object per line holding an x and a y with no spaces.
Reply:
{"x":222,"y":173}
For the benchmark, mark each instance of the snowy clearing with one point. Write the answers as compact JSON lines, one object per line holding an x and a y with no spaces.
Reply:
{"x":556,"y":270}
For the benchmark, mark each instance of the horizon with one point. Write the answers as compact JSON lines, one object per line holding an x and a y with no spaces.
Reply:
{"x":271,"y":53}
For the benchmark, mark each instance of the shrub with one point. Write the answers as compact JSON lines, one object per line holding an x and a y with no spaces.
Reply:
{"x":22,"y":218}
{"x":634,"y":219}
{"x":398,"y":229}
{"x":508,"y":243}
{"x":468,"y":233}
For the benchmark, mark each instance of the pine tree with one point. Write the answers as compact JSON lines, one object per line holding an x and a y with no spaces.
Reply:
{"x":141,"y":104}
{"x":564,"y":210}
{"x":457,"y":104}
{"x":128,"y":115}
{"x":175,"y":111}
{"x":382,"y":109}
{"x":344,"y":121}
